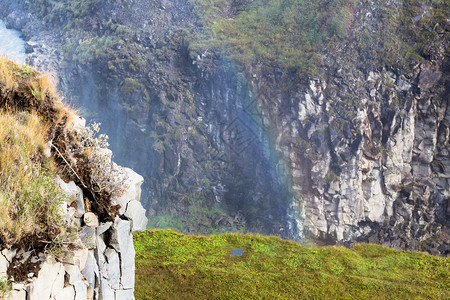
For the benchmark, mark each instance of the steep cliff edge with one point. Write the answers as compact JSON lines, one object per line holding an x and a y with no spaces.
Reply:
{"x":342,"y":140}
{"x":68,"y":211}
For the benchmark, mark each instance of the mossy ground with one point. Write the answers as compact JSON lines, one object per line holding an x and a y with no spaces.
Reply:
{"x":170,"y":265}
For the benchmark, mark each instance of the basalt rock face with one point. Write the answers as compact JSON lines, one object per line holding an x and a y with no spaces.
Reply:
{"x":381,"y":177}
{"x":360,"y":153}
{"x":367,"y":147}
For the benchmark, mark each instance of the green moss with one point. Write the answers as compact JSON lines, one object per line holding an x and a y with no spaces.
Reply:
{"x":281,"y":33}
{"x":170,"y":265}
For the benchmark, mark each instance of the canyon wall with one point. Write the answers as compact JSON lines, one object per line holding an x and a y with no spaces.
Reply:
{"x":359,"y":153}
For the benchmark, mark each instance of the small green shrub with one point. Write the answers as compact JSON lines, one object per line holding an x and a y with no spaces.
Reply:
{"x":5,"y":287}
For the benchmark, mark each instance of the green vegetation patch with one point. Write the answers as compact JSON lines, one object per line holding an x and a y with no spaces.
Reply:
{"x":202,"y":220}
{"x":409,"y":32}
{"x":280,"y":33}
{"x":29,"y":196}
{"x":170,"y":265}
{"x":130,"y":86}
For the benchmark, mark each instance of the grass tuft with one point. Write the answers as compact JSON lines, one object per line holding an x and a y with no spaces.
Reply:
{"x":29,"y":195}
{"x":42,"y":87}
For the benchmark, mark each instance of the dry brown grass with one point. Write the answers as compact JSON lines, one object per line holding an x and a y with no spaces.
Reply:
{"x":6,"y":75}
{"x":29,"y":195}
{"x":32,"y":113}
{"x":24,"y":89}
{"x":42,"y":87}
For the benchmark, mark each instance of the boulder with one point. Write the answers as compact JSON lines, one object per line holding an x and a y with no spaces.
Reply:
{"x":136,"y":213}
{"x":132,"y":182}
{"x":90,"y":219}
{"x":48,"y":280}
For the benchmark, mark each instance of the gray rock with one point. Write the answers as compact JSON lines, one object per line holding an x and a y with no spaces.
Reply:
{"x":30,"y":46}
{"x":132,"y":182}
{"x":103,"y":227}
{"x":122,"y":242}
{"x":66,"y":293}
{"x":17,"y":295}
{"x":75,"y":194}
{"x":90,"y":293}
{"x":18,"y":286}
{"x":124,"y":295}
{"x":113,"y":268}
{"x":88,"y":237}
{"x":105,"y":291}
{"x":74,"y":275}
{"x":75,"y":278}
{"x":48,"y":276}
{"x":136,"y":213}
{"x":81,"y":290}
{"x":58,"y":285}
{"x":90,"y":271}
{"x":9,"y":253}
{"x":99,"y":255}
{"x":78,"y":124}
{"x":76,"y":257}
{"x":4,"y":264}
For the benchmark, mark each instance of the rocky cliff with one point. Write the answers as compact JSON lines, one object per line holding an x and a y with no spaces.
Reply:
{"x":83,"y":246}
{"x":99,"y":264}
{"x":367,"y":145}
{"x":349,"y":142}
